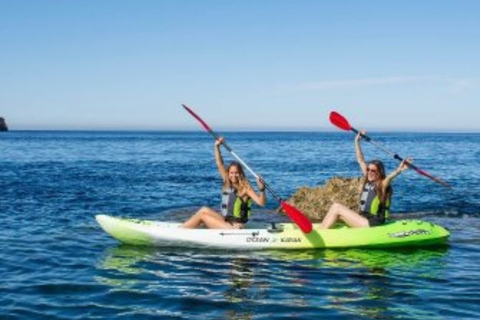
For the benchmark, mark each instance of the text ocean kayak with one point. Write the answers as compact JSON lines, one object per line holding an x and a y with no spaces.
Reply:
{"x":400,"y":233}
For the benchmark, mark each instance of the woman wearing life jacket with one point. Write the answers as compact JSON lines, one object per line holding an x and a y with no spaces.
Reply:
{"x":237,"y":197}
{"x":375,"y":194}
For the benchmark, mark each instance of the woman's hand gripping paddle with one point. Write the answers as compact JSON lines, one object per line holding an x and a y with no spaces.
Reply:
{"x":339,"y":121}
{"x":298,"y":217}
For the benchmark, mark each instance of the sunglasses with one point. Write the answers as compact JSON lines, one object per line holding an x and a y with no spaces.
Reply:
{"x":372,"y":170}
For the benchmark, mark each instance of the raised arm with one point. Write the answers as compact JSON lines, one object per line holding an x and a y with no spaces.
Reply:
{"x":401,"y":167}
{"x":359,"y":153}
{"x":219,"y":159}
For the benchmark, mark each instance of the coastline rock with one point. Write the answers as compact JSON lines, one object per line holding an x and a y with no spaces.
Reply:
{"x":315,"y":202}
{"x":3,"y":125}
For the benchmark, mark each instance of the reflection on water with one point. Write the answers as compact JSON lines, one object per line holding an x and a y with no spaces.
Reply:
{"x":368,"y":281}
{"x":353,"y":282}
{"x":241,"y":288}
{"x":361,"y":258}
{"x":123,"y":258}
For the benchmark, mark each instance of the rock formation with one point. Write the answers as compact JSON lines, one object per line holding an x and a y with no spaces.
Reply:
{"x":315,"y":202}
{"x":3,"y":125}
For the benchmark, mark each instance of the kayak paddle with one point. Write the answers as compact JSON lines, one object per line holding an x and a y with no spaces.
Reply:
{"x":339,"y":121}
{"x":298,"y":217}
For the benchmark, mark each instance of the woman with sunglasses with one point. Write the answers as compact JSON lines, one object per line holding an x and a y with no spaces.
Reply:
{"x":237,"y":198}
{"x":375,"y":196}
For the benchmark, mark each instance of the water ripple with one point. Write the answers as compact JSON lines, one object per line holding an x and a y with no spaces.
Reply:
{"x":58,"y":264}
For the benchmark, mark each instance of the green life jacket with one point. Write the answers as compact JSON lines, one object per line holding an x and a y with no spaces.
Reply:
{"x":370,"y":203}
{"x":234,"y":208}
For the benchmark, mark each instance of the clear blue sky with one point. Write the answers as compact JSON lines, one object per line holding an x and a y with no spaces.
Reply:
{"x":266,"y":65}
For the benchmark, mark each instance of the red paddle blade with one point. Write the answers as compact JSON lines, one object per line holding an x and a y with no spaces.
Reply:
{"x":338,"y":120}
{"x":197,"y":117}
{"x":299,"y":218}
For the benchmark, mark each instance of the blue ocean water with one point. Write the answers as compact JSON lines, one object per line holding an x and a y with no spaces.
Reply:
{"x":56,"y":263}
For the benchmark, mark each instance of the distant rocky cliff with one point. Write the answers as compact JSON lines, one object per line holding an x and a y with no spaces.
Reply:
{"x":3,"y":125}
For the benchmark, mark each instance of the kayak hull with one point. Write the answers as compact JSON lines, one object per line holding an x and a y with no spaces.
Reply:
{"x":395,"y":234}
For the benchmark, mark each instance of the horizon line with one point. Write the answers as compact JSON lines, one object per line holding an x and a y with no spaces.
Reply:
{"x":246,"y":130}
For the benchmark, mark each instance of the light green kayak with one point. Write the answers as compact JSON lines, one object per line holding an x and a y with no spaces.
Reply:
{"x":400,"y":233}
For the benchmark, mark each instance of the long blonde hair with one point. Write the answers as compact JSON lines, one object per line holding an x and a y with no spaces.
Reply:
{"x":243,"y":183}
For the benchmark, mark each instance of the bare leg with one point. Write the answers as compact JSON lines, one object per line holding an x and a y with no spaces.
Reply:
{"x":209,"y":218}
{"x":351,"y":218}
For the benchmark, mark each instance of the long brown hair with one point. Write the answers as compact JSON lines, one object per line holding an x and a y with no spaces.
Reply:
{"x":242,"y":179}
{"x":383,"y":196}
